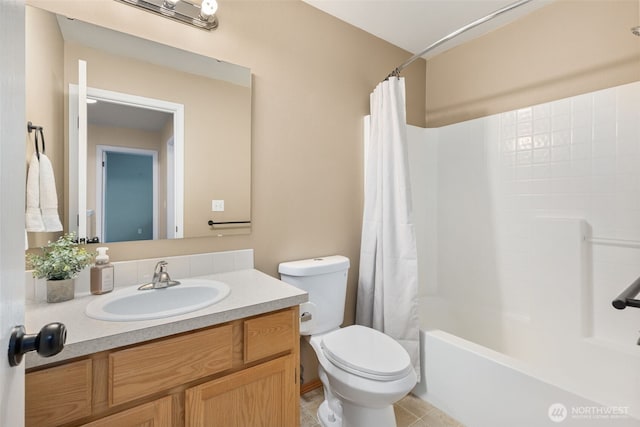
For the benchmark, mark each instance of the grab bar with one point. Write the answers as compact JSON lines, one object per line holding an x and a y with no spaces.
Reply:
{"x":626,"y":298}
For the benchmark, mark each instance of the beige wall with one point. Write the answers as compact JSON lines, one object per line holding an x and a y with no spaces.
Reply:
{"x":564,"y":49}
{"x":44,"y":100}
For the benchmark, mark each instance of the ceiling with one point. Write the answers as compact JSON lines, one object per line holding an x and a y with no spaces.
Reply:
{"x":125,"y":116}
{"x":415,"y":24}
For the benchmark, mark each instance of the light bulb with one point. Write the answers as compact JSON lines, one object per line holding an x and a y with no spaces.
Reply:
{"x":208,"y":8}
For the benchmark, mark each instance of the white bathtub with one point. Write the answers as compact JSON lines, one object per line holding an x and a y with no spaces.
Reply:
{"x":481,"y":387}
{"x":495,"y":366}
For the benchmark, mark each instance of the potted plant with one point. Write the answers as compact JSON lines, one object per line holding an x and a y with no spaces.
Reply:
{"x":60,"y":263}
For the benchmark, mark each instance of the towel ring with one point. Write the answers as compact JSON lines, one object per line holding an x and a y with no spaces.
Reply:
{"x":31,"y":127}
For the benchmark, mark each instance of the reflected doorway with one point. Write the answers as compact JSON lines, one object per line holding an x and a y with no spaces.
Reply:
{"x":127,"y":194}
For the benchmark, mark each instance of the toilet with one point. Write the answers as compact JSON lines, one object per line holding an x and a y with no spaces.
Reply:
{"x":363,"y":371}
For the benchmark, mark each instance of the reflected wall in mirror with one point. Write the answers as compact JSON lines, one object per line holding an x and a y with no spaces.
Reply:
{"x":217,"y":127}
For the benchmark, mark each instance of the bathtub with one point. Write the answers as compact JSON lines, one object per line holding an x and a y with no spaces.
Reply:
{"x":559,"y":362}
{"x":481,"y":387}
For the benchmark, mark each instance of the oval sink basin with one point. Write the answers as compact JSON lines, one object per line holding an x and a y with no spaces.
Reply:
{"x":131,"y":304}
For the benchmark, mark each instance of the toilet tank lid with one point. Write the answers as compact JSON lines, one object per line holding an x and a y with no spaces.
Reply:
{"x":314,"y":266}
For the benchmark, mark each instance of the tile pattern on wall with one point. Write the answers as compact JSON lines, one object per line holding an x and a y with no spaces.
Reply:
{"x":577,"y":157}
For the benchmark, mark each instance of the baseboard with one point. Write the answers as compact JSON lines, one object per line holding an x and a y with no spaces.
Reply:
{"x":312,"y":385}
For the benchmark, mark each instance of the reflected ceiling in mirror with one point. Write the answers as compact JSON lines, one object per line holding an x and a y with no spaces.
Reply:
{"x":123,"y":44}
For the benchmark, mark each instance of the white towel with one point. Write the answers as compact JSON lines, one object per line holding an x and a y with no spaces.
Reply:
{"x":33,"y":216}
{"x":48,"y":196}
{"x":42,"y":199}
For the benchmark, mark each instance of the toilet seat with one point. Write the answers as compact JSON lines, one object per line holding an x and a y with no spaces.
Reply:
{"x":367,"y":353}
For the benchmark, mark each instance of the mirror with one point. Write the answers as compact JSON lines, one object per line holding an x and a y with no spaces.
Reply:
{"x":189,"y":117}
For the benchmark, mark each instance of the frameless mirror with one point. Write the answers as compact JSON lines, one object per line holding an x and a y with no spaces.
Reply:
{"x":168,"y":142}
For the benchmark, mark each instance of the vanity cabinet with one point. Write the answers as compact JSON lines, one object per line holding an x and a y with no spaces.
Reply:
{"x":240,"y":373}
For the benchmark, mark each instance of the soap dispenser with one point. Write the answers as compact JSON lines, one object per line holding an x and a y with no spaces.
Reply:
{"x":102,"y":273}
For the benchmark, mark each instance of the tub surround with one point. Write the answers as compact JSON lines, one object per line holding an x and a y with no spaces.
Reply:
{"x":554,"y":191}
{"x":252,"y":293}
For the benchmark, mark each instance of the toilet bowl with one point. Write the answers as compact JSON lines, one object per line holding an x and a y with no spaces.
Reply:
{"x":367,"y":372}
{"x":363,"y":371}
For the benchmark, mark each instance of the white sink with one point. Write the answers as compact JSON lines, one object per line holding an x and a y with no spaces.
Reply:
{"x":130,"y":304}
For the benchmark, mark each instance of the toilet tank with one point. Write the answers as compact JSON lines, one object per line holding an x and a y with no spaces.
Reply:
{"x":325,"y":280}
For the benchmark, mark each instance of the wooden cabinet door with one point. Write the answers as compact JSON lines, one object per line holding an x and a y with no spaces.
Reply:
{"x":153,"y":414}
{"x":58,"y":395}
{"x":261,"y":396}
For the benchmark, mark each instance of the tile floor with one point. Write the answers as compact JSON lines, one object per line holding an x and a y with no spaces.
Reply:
{"x":410,"y":412}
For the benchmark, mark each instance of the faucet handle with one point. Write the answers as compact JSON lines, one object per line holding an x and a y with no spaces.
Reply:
{"x":160,"y":267}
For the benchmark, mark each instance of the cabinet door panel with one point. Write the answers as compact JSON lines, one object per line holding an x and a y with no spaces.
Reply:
{"x":153,"y":414}
{"x":58,"y":395}
{"x":269,"y":335}
{"x":261,"y":396}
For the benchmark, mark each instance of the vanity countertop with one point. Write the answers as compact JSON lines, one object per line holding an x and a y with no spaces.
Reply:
{"x":252,"y":293}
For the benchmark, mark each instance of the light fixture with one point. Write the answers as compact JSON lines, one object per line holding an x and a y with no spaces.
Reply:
{"x":185,"y":11}
{"x":168,"y":7}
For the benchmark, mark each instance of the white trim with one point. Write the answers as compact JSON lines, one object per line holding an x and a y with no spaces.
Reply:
{"x":72,"y":187}
{"x":170,"y":207}
{"x":177,"y":110}
{"x":178,"y":171}
{"x":100,"y":176}
{"x":82,"y":149}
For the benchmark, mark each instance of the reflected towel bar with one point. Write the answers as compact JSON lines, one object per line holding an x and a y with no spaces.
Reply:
{"x":211,"y":223}
{"x":626,"y":298}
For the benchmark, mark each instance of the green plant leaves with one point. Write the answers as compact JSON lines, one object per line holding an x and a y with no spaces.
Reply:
{"x":60,"y":260}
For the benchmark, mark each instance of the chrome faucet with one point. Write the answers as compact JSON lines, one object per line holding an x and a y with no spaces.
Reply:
{"x":160,"y":278}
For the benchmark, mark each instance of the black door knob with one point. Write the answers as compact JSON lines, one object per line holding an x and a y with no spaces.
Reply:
{"x":48,"y":342}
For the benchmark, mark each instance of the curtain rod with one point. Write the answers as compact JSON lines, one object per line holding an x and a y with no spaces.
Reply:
{"x":396,"y":72}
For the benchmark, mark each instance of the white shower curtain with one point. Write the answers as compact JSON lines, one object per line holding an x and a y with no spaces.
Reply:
{"x":388,"y":282}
